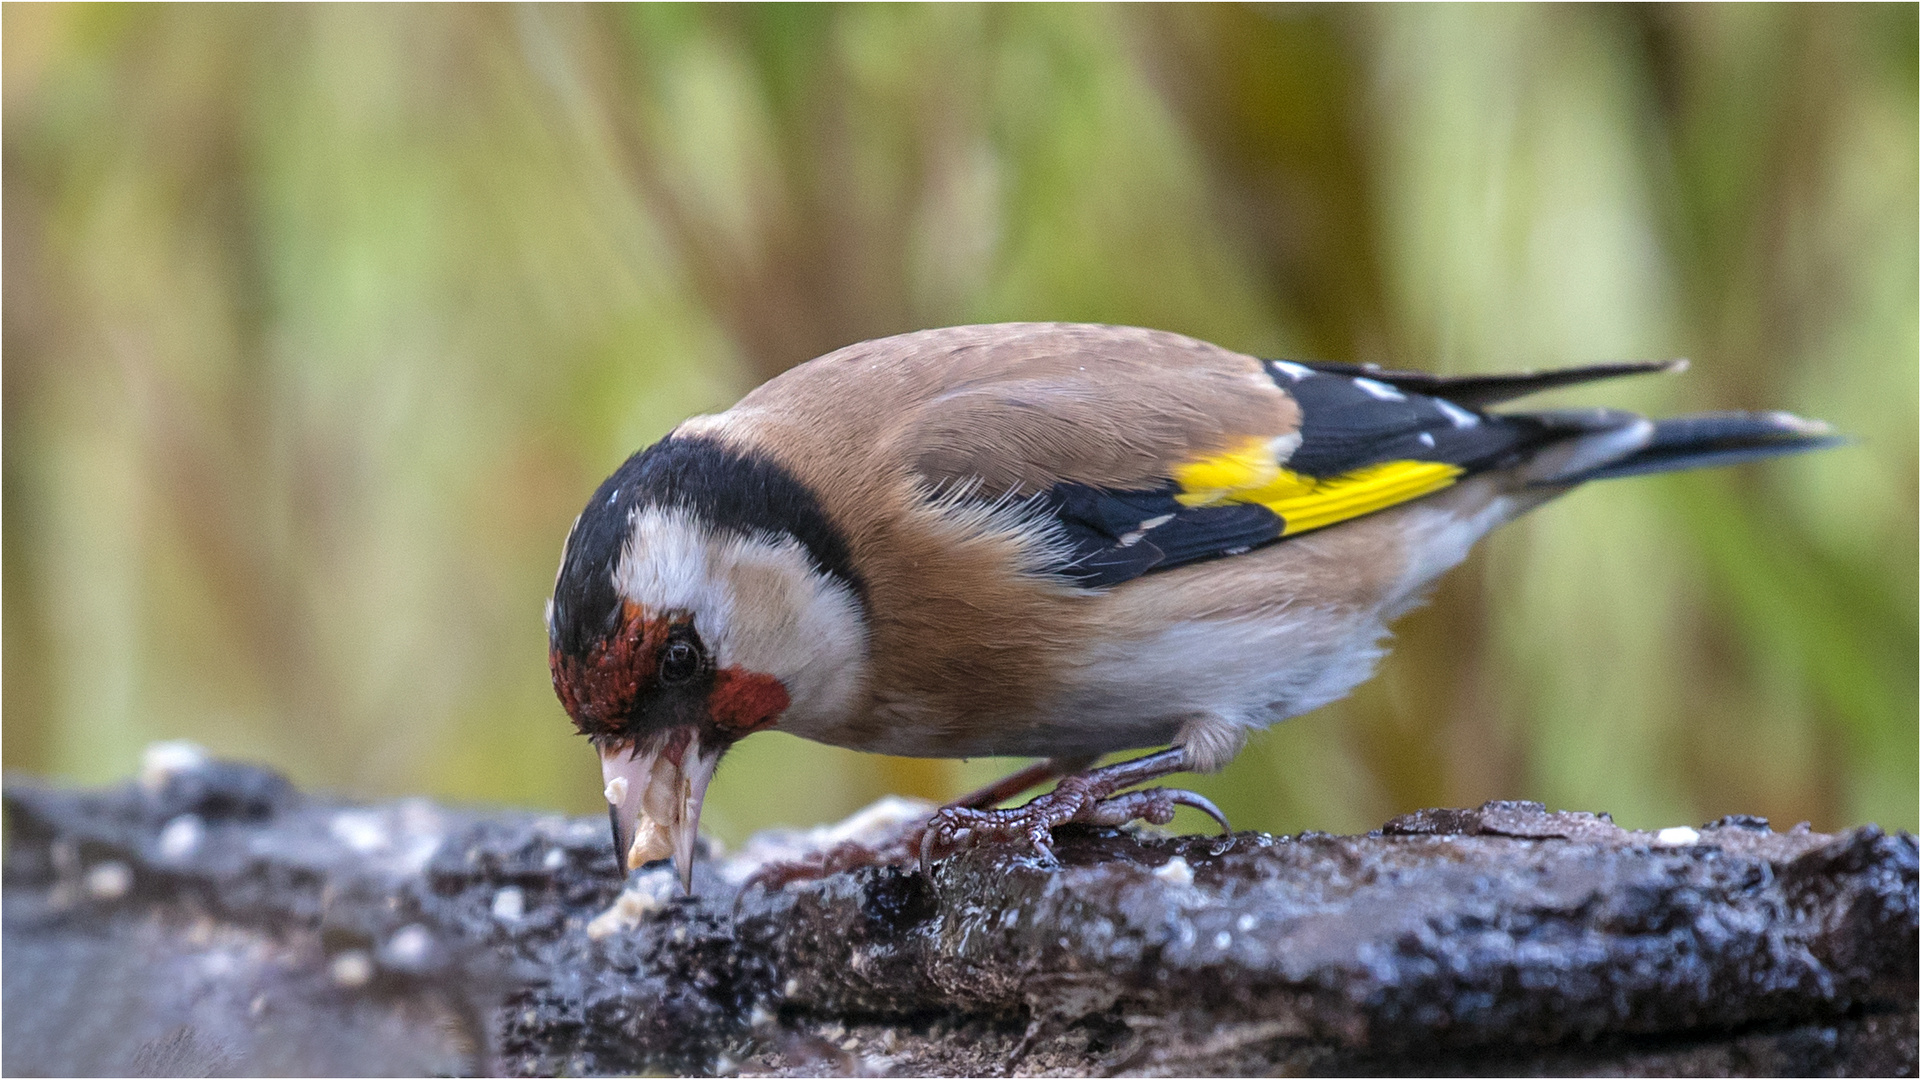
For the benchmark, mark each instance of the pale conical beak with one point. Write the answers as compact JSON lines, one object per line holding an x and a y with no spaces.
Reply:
{"x":654,"y":792}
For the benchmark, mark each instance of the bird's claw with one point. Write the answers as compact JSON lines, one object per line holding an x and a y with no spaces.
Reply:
{"x":1154,"y":806}
{"x":1078,"y":800}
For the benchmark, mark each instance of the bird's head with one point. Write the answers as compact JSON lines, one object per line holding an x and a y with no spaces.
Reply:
{"x":702,"y":596}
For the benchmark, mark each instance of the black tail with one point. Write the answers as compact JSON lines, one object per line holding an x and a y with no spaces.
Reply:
{"x":1478,"y":391}
{"x":1709,"y":439}
{"x":1600,"y":444}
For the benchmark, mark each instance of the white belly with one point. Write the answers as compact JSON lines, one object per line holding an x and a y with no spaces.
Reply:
{"x":1251,"y":671}
{"x":1261,"y":637}
{"x":1241,"y":642}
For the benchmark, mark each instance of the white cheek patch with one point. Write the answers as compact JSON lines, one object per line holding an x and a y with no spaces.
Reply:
{"x":791,"y":622}
{"x":663,"y":568}
{"x":757,"y":602}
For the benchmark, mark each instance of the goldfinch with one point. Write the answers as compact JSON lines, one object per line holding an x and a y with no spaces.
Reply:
{"x":1047,"y":540}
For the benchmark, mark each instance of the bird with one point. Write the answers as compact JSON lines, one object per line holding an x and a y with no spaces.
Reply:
{"x":1049,"y":540}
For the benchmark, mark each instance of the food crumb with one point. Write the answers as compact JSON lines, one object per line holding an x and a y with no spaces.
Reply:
{"x":109,"y":881}
{"x":1176,"y":872}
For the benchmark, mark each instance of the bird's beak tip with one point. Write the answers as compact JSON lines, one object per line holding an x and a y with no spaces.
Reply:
{"x":654,"y":798}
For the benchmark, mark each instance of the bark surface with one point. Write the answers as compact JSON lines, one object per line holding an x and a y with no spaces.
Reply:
{"x":210,"y":920}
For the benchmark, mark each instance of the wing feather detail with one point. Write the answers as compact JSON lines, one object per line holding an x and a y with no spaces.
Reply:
{"x":1304,"y":503}
{"x":1363,"y":445}
{"x":1481,"y":390}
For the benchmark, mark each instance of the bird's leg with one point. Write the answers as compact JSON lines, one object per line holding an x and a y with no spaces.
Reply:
{"x":1014,"y":783}
{"x":1088,"y":798}
{"x":903,"y":847}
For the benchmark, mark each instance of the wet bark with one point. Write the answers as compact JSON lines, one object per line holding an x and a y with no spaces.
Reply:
{"x":211,"y":920}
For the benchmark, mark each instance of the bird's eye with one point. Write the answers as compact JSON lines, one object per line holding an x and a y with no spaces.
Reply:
{"x":679,"y":662}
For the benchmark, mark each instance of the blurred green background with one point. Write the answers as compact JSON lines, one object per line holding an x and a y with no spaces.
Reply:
{"x":322,"y":322}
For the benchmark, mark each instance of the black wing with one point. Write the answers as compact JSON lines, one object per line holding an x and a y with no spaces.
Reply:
{"x":1356,"y":430}
{"x":1479,"y":391}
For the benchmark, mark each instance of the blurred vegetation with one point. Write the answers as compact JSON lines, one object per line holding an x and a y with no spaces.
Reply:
{"x":321,"y":322}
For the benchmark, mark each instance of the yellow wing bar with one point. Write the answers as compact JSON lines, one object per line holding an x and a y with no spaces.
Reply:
{"x":1252,"y":475}
{"x":1314,"y":504}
